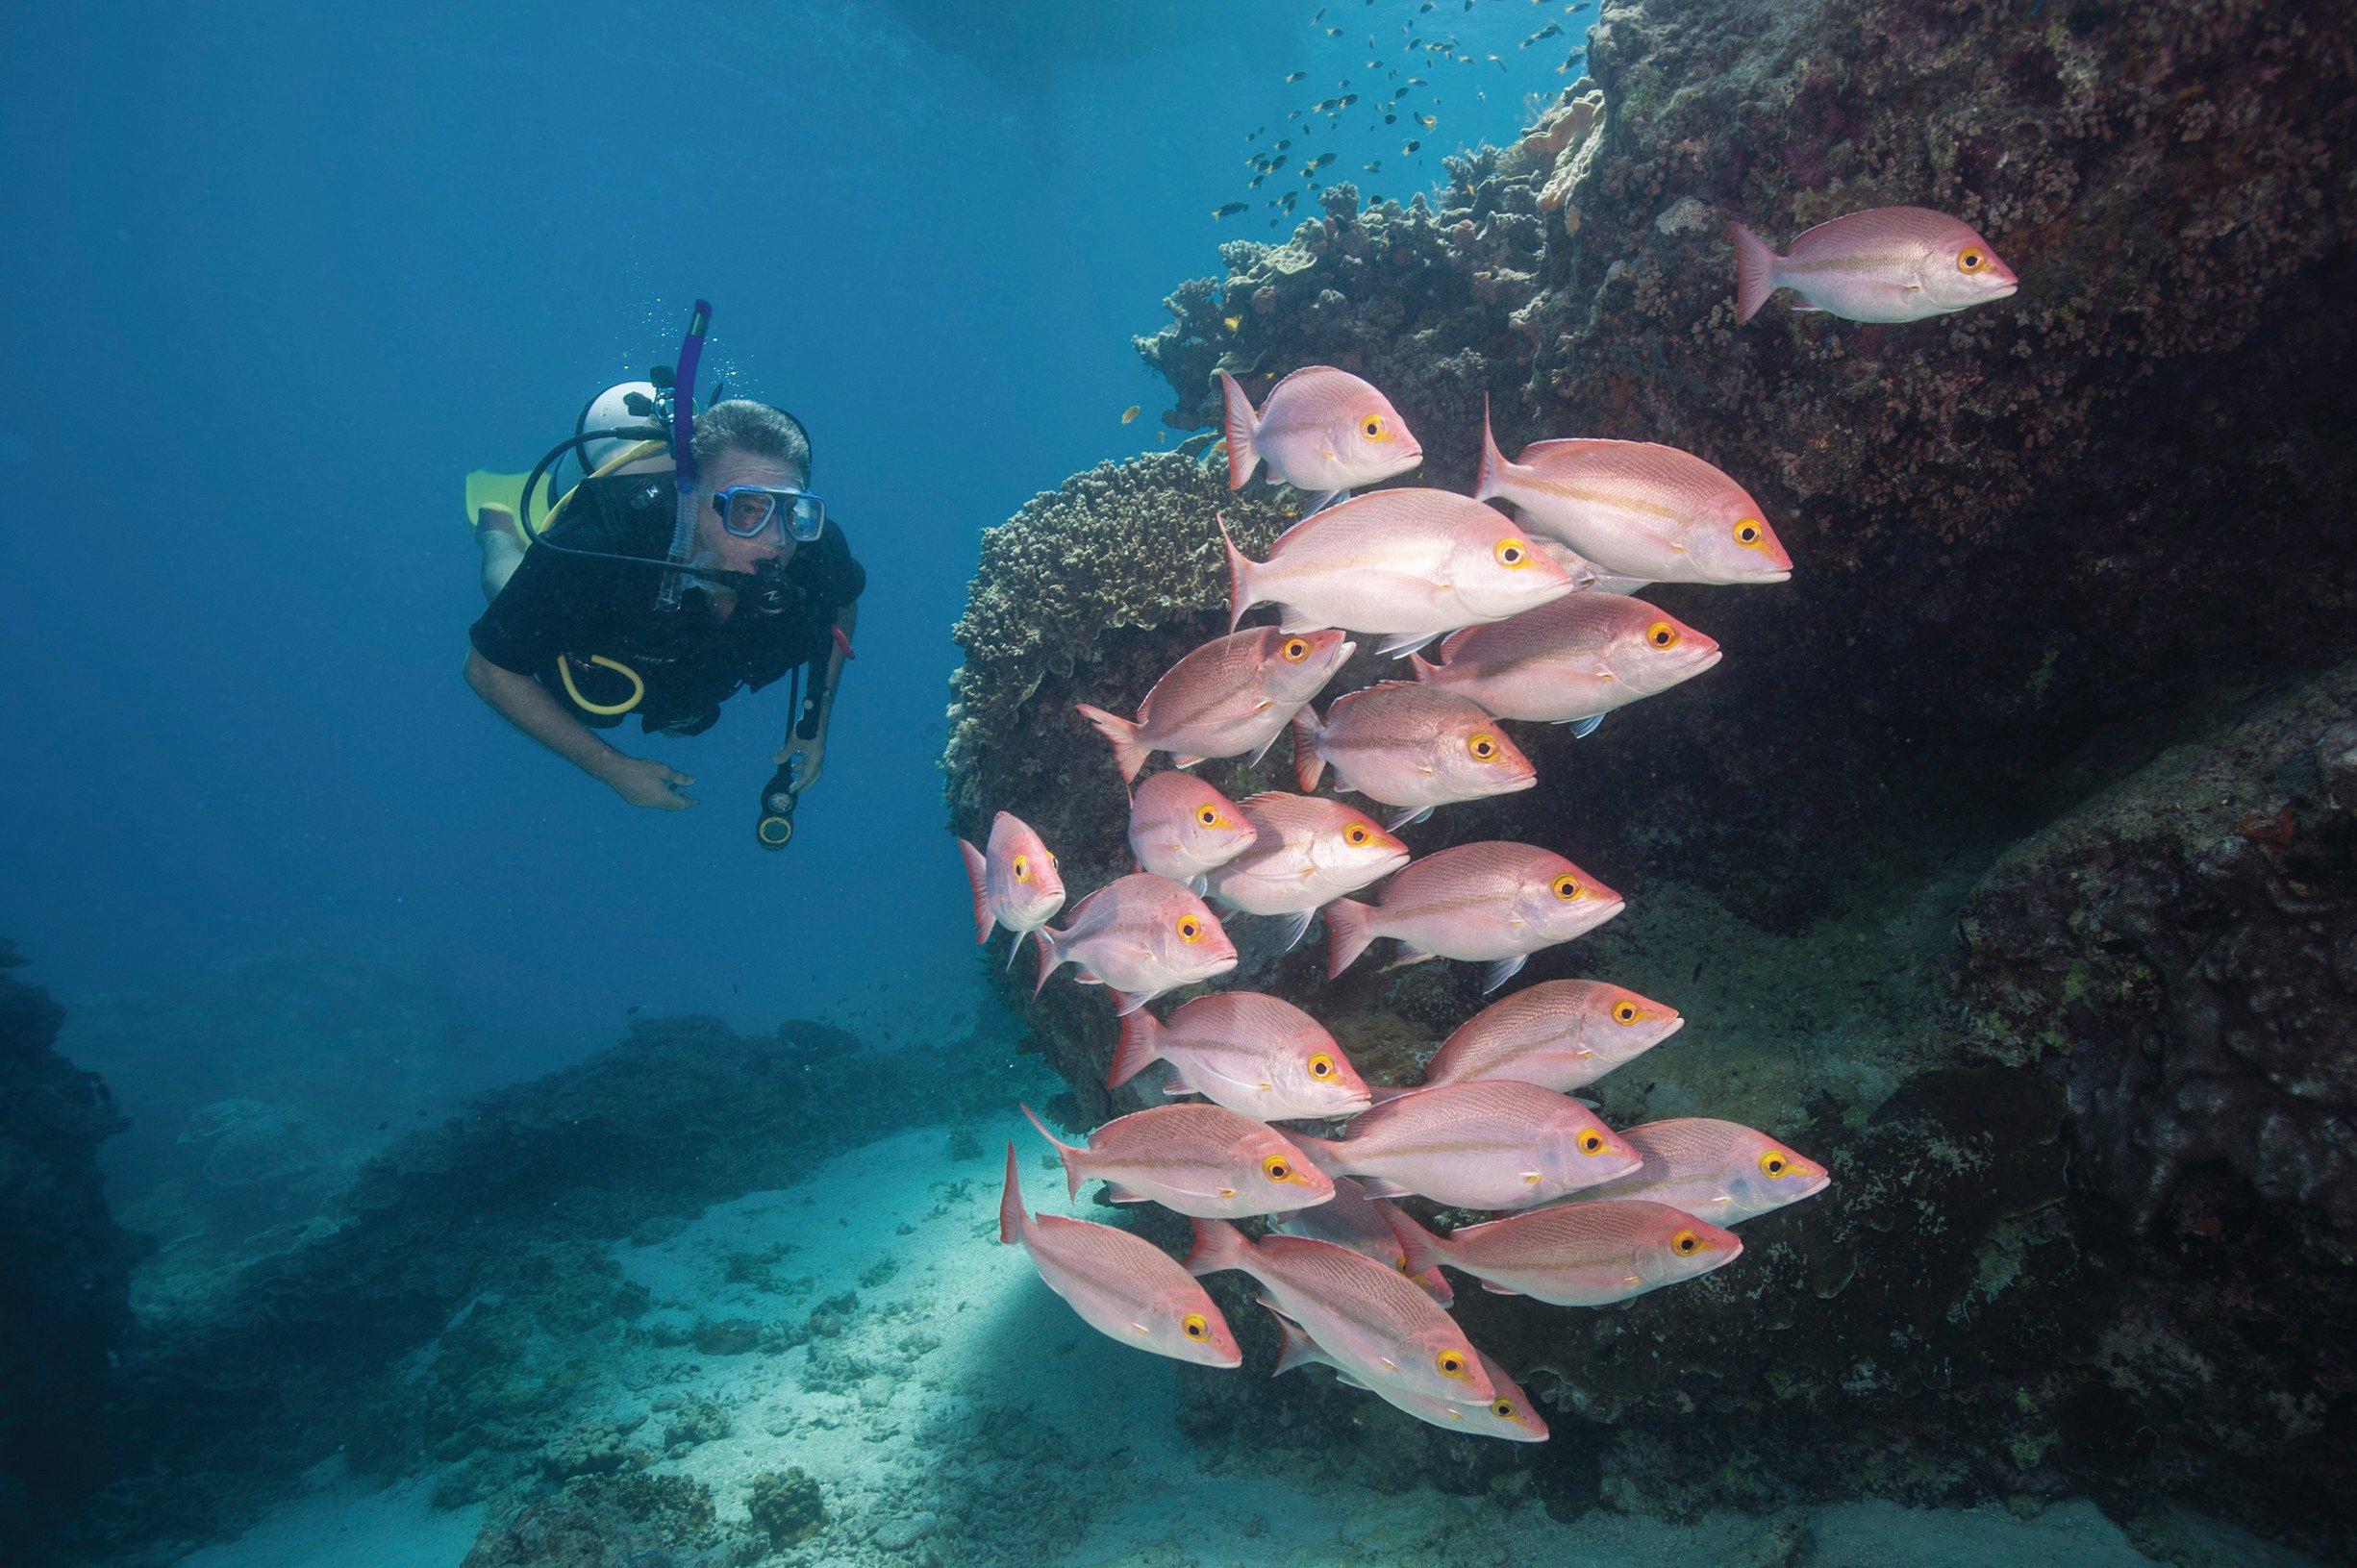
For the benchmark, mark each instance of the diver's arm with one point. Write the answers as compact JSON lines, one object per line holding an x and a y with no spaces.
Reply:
{"x":523,"y":702}
{"x":813,"y":749}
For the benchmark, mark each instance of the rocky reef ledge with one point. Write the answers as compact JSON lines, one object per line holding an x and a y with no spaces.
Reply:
{"x":2009,"y":861}
{"x":65,"y":1266}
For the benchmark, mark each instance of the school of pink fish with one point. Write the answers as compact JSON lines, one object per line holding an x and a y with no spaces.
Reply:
{"x":1534,"y":622}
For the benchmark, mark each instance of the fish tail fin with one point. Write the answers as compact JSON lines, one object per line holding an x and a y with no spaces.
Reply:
{"x":1071,"y":1156}
{"x":1422,"y":1251}
{"x":1141,"y":1043}
{"x":1239,"y":424}
{"x":1128,"y":754}
{"x":1308,"y":766}
{"x":1218,"y":1245}
{"x":1492,"y":474}
{"x":1346,"y":934}
{"x":1011,"y":1216}
{"x":1425,"y":669}
{"x":1050,"y":958}
{"x":1755,"y":272}
{"x":1240,"y":576}
{"x":976,"y":872}
{"x":1293,"y":1347}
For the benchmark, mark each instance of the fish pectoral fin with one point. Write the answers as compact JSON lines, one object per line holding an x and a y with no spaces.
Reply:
{"x":1349,"y":1382}
{"x":1378,"y":1187}
{"x":1113,"y":1194}
{"x":1496,"y":1289}
{"x":1296,"y":924}
{"x":1185,"y":761}
{"x":1502,"y":971}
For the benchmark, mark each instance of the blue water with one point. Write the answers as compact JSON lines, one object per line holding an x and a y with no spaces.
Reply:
{"x":278,"y":275}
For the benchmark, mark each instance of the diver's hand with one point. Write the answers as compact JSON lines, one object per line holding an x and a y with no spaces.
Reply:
{"x":641,"y":781}
{"x":807,"y":756}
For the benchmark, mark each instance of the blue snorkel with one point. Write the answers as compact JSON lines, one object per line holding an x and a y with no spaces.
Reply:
{"x":683,"y":451}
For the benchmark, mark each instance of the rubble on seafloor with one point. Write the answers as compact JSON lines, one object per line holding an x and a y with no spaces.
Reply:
{"x":2092,"y":1200}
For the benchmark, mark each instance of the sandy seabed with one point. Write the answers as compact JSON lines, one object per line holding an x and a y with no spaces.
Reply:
{"x":962,"y":1412}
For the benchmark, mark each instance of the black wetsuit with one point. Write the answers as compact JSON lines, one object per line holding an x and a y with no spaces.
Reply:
{"x":565,"y":608}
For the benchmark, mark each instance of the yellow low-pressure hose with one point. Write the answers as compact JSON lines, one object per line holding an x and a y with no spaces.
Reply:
{"x":637,"y":686}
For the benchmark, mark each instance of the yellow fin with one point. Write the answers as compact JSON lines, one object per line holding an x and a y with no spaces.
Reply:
{"x":486,"y":488}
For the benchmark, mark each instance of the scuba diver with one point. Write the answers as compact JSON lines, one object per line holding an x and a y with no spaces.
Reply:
{"x":689,"y":563}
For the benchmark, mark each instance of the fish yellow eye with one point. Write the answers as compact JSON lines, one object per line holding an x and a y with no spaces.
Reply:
{"x":1296,"y":650}
{"x":1208,"y":815}
{"x":1503,"y":1409}
{"x":1277,"y":1168}
{"x":1625,"y":1012}
{"x":1686,"y":1243}
{"x":1357,"y":835}
{"x":1592,"y":1142}
{"x":1663,"y":634}
{"x":1321,"y":1065}
{"x":1195,"y":1325}
{"x":1022,"y":868}
{"x":1774,"y":1164}
{"x":1483,"y":745}
{"x":1567,"y":886}
{"x":1748,"y":533}
{"x":1371,"y":427}
{"x":1972,"y":258}
{"x":1189,"y":929}
{"x":1450,"y":1363}
{"x":1512,"y":554}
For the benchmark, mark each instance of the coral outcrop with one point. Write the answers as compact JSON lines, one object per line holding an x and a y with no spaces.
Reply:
{"x":2091,"y":1163}
{"x":65,"y":1266}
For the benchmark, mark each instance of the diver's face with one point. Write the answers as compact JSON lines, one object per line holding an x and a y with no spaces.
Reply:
{"x":734,"y":467}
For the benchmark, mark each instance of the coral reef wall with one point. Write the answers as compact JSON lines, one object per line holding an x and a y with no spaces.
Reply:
{"x":65,"y":1266}
{"x":2091,"y":1210}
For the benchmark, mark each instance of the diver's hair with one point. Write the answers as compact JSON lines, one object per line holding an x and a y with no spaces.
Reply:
{"x":743,"y":425}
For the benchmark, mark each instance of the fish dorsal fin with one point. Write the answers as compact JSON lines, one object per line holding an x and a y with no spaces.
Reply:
{"x":1292,"y":376}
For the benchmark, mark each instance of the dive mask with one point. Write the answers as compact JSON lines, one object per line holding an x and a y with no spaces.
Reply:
{"x":746,"y":510}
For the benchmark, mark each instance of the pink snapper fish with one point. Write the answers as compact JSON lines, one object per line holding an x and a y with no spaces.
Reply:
{"x":1507,"y":1413}
{"x":1123,"y":1286}
{"x":1232,"y":696}
{"x":1141,"y":935}
{"x":1015,"y":880}
{"x":1637,"y":510}
{"x":1203,"y":1160}
{"x":1581,"y":1254}
{"x":1560,"y":1034}
{"x":1492,"y":1144}
{"x":1306,"y":851}
{"x":1258,"y":1055}
{"x":1410,"y":746}
{"x":1406,"y":564}
{"x":1494,"y":901}
{"x":1320,"y":430}
{"x":1370,"y":1319}
{"x":1887,"y":265}
{"x":1181,"y":827}
{"x":1723,"y":1170}
{"x":1569,"y":662}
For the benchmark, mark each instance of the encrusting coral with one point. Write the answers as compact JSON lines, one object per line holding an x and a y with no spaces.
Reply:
{"x":2037,"y":543}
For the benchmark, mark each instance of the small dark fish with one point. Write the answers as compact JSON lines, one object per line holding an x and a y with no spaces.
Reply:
{"x":1391,"y":119}
{"x":1292,"y":114}
{"x":1254,"y":183}
{"x":1411,"y":146}
{"x":1697,"y":969}
{"x":382,"y":1126}
{"x":1287,"y":143}
{"x":1552,"y":30}
{"x":1401,"y":92}
{"x":1317,"y":163}
{"x":1376,"y":167}
{"x":1346,"y":100}
{"x":1294,"y":76}
{"x":1275,"y":164}
{"x":1228,"y":210}
{"x":1334,"y":31}
{"x":631,"y":1009}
